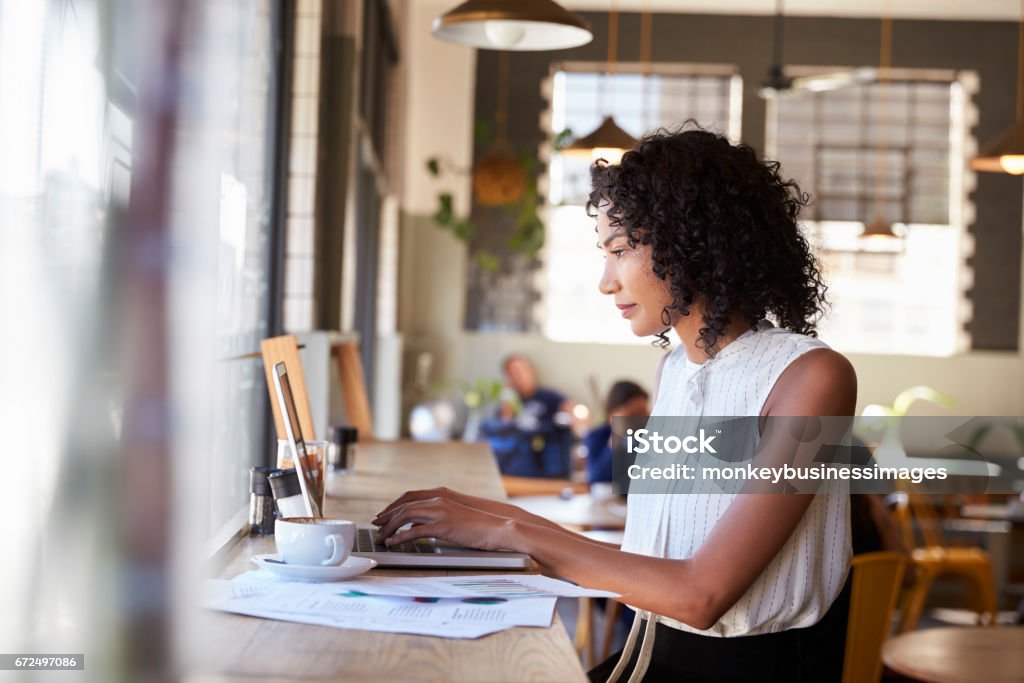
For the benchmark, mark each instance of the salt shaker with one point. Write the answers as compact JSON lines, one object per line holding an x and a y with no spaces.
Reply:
{"x":288,"y":494}
{"x":261,"y":501}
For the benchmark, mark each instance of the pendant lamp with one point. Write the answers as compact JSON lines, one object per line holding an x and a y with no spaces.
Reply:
{"x":878,"y":229}
{"x":608,"y":141}
{"x":519,"y":25}
{"x":1005,"y":153}
{"x":878,"y":235}
{"x":777,"y":83}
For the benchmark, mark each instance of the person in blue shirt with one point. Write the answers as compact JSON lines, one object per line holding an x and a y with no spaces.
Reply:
{"x":625,"y":399}
{"x":532,"y":437}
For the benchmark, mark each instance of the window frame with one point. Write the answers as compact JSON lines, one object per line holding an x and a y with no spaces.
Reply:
{"x":964,"y":86}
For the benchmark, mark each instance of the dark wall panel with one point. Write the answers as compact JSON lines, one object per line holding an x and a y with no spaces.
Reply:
{"x":986,"y":47}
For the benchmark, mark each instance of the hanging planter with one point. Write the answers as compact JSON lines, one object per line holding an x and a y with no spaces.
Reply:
{"x":501,"y":179}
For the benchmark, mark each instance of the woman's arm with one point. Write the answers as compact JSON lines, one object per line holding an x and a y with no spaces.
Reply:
{"x":696,"y":591}
{"x":495,"y":508}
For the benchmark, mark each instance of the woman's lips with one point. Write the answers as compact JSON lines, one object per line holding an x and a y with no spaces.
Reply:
{"x":626,"y":310}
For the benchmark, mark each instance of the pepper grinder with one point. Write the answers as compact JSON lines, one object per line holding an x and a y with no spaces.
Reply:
{"x":261,"y":501}
{"x":341,"y":451}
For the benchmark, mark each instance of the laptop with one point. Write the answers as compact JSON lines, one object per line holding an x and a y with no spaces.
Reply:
{"x":424,"y":552}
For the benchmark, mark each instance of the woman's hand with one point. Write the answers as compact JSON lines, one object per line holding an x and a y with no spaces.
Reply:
{"x":444,"y":518}
{"x":494,"y":507}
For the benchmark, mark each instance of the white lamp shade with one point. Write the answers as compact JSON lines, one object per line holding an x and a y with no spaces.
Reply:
{"x":518,"y":25}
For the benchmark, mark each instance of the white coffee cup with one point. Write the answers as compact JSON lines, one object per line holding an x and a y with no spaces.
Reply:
{"x":314,"y":540}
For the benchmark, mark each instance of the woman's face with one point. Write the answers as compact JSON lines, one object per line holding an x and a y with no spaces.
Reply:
{"x":639,"y":295}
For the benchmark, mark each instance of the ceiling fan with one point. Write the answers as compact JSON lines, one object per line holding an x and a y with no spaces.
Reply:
{"x":778,"y":84}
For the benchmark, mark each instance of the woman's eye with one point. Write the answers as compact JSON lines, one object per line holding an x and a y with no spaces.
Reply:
{"x":618,"y":252}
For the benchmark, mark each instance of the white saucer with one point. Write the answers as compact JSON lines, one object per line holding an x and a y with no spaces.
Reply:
{"x":353,"y":566}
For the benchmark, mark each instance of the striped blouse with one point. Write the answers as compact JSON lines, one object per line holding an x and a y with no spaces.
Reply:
{"x":800,"y":584}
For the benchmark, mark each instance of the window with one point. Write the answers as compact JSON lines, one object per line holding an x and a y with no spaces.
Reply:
{"x":581,"y":94}
{"x":242,"y":44}
{"x":891,"y":150}
{"x":379,"y":56}
{"x":111,"y":391}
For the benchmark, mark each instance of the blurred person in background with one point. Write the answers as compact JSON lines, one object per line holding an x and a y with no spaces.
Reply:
{"x":533,"y":434}
{"x":625,"y":399}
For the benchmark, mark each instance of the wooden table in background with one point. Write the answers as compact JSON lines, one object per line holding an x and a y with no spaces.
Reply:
{"x":958,"y":655}
{"x":581,"y":511}
{"x":1005,"y":545}
{"x":245,"y":648}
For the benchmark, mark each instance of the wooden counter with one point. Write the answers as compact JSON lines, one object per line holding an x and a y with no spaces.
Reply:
{"x":245,"y":648}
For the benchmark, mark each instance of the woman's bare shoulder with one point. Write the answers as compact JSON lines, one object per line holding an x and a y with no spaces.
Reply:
{"x":819,"y":382}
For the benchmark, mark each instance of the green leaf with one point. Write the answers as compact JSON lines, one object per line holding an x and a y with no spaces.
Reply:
{"x":434,"y":167}
{"x":463,"y":230}
{"x":527,"y":160}
{"x":487,"y":261}
{"x":562,"y":139}
{"x":444,"y":214}
{"x":901,"y":404}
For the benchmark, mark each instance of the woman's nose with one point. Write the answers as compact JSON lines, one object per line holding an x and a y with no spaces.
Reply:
{"x":608,"y":284}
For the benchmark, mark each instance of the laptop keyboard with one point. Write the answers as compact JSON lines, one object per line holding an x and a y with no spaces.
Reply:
{"x":366,"y":542}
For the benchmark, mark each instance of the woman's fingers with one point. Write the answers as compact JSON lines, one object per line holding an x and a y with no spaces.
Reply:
{"x":417,"y":531}
{"x":417,"y":512}
{"x":409,"y":497}
{"x":384,"y":518}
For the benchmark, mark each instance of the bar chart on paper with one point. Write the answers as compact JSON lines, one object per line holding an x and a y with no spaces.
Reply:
{"x":497,"y":587}
{"x":505,"y":586}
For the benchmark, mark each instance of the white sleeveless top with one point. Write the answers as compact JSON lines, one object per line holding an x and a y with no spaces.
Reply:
{"x":800,"y":584}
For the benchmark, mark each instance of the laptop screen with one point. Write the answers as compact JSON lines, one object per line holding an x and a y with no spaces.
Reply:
{"x":290,"y":417}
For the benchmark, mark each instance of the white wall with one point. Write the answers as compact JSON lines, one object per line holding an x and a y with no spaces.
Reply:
{"x":439,"y":82}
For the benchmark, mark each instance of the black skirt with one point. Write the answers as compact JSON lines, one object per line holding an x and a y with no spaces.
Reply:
{"x":800,"y":655}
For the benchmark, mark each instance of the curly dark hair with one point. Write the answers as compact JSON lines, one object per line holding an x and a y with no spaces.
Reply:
{"x":722,"y":225}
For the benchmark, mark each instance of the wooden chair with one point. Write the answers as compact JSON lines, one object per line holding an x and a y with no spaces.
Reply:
{"x":353,"y":387}
{"x":286,"y":349}
{"x":934,"y":558}
{"x":876,"y":585}
{"x":612,"y":610}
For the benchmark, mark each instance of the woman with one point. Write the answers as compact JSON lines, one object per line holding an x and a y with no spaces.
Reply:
{"x":701,"y":237}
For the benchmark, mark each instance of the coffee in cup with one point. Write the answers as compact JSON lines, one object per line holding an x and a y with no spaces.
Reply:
{"x":314,"y":540}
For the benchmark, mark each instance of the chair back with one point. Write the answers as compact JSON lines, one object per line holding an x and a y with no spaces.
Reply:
{"x":915,"y":511}
{"x":876,"y":584}
{"x":286,"y":349}
{"x":353,"y":387}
